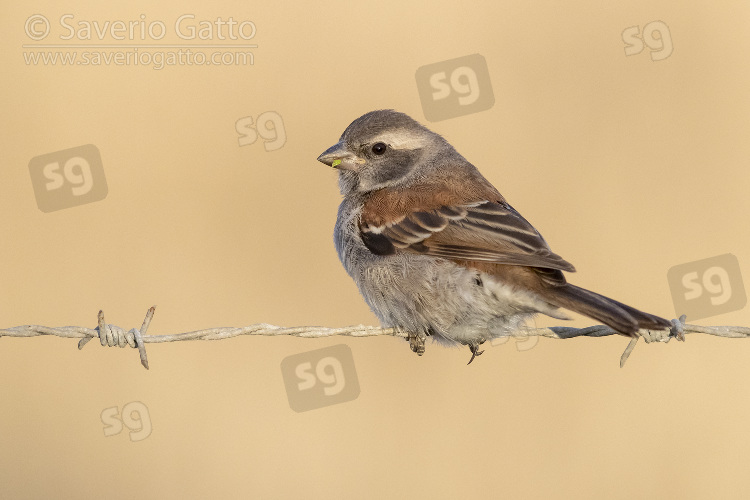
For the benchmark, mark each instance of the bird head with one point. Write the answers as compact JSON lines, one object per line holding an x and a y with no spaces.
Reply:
{"x":382,"y":148}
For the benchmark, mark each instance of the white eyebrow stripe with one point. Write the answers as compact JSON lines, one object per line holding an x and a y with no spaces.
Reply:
{"x":402,"y":139}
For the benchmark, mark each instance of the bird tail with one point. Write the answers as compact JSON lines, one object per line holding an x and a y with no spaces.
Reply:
{"x":618,"y":316}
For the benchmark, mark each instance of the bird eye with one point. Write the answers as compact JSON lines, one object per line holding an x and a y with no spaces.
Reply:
{"x":379,"y":148}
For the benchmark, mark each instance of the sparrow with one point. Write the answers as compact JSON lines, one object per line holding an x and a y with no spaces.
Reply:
{"x":437,"y":251}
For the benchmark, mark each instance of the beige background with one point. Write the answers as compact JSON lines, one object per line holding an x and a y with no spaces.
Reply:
{"x":627,"y":166}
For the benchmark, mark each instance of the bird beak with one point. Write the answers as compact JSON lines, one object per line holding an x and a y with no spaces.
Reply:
{"x":337,"y":156}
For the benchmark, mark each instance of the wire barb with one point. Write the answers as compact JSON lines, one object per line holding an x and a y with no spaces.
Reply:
{"x":112,"y":335}
{"x":676,"y":331}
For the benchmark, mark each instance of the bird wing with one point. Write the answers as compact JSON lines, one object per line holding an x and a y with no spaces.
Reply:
{"x":481,"y":231}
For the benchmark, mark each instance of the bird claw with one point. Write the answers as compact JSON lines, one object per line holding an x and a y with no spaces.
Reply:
{"x":474,"y":348}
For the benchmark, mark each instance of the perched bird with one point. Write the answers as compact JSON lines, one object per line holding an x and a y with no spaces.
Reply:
{"x":436,"y":250}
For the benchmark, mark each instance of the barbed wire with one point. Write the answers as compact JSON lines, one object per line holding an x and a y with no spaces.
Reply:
{"x":112,"y":335}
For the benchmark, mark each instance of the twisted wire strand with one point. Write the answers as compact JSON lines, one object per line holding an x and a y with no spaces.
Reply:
{"x":112,"y":335}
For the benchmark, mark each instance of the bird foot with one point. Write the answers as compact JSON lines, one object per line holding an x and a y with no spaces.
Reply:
{"x":474,"y":347}
{"x":416,"y":342}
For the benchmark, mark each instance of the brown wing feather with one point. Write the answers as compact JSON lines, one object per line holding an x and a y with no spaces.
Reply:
{"x":445,"y":188}
{"x":447,"y":220}
{"x":484,"y":231}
